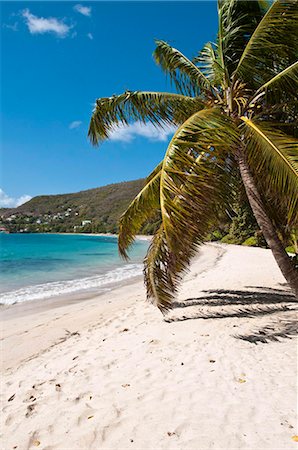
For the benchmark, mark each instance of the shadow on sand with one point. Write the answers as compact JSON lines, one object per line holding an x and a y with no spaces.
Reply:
{"x":277,"y":306}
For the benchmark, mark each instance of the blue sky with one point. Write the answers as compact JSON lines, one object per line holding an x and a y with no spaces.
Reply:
{"x":56,"y":59}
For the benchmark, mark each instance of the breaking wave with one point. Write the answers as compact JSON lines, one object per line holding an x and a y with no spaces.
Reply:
{"x":98,"y":283}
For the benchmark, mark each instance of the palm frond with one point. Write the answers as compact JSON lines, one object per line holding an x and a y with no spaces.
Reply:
{"x":207,"y":136}
{"x":186,"y":76}
{"x":278,"y":108}
{"x":273,"y":45}
{"x":142,"y":208}
{"x":157,"y":272}
{"x":209,"y":63}
{"x":196,"y":184}
{"x":159,"y":108}
{"x":237,"y":22}
{"x":285,"y":81}
{"x":273,"y":156}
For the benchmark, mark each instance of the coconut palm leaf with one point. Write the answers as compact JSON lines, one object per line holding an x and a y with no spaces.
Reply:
{"x":274,"y":157}
{"x":207,"y":136}
{"x":283,"y":114}
{"x":186,"y":76}
{"x":273,"y":45}
{"x":159,"y":108}
{"x":237,"y":22}
{"x":196,"y":210}
{"x":157,"y":273}
{"x":209,"y":63}
{"x":285,"y":81}
{"x":196,"y":184}
{"x":142,"y":208}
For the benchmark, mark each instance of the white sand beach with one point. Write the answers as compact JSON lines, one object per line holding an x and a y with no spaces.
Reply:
{"x":110,"y":372}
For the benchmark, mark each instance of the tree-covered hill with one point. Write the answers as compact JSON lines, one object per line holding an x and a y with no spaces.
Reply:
{"x":99,"y":208}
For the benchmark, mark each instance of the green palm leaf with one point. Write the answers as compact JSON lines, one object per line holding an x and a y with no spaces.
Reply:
{"x":207,"y":136}
{"x":273,"y":156}
{"x":285,"y":81}
{"x":196,"y":209}
{"x":196,"y":184}
{"x":273,"y":45}
{"x":159,"y":108}
{"x":209,"y":63}
{"x":142,"y":208}
{"x":237,"y":22}
{"x":186,"y":76}
{"x":157,"y":272}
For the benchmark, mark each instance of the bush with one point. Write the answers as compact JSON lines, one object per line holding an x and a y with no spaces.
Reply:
{"x":215,"y":236}
{"x":251,"y":242}
{"x":228,"y":239}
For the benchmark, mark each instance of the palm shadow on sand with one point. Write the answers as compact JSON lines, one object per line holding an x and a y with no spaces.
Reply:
{"x":276,"y":305}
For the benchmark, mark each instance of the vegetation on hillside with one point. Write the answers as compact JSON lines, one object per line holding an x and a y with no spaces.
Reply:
{"x":99,"y":208}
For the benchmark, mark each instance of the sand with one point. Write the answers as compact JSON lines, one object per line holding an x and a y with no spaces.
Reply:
{"x":110,"y":372}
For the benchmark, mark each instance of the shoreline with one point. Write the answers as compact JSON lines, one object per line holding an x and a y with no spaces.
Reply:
{"x":71,"y":291}
{"x":111,"y":372}
{"x":70,"y":303}
{"x":84,"y":285}
{"x":142,"y":237}
{"x":20,"y":309}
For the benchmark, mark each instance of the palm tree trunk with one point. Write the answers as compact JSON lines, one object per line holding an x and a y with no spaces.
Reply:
{"x":283,"y":260}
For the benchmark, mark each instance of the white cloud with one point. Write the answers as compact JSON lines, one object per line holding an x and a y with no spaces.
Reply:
{"x":124,"y":133}
{"x":90,"y":36}
{"x":85,"y":10}
{"x":11,"y":202}
{"x":41,"y":25}
{"x":75,"y":124}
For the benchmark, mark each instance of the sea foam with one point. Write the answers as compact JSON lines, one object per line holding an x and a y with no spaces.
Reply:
{"x":100,"y":283}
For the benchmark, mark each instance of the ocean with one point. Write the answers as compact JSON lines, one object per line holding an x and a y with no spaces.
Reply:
{"x":41,"y":266}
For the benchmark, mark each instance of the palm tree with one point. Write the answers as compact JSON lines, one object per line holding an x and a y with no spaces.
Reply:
{"x":236,"y":115}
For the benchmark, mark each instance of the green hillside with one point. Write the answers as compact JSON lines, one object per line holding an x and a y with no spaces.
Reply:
{"x":66,"y":212}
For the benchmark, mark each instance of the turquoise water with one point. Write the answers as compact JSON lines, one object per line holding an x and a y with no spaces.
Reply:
{"x":36,"y":266}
